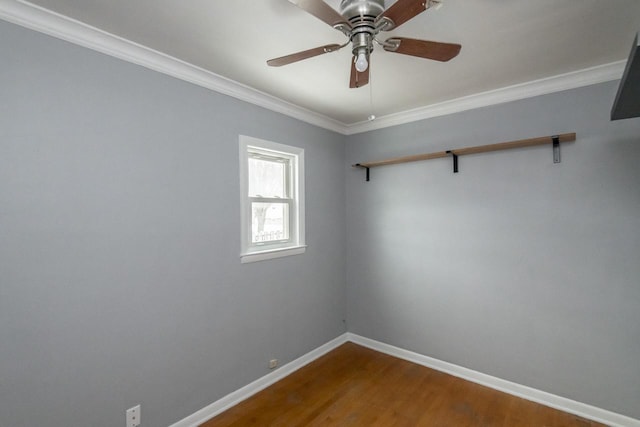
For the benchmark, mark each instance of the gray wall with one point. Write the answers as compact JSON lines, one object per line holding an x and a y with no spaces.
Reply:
{"x":120,"y":277}
{"x":514,"y":267}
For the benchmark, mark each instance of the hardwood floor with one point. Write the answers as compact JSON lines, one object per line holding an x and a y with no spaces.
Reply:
{"x":356,"y":386}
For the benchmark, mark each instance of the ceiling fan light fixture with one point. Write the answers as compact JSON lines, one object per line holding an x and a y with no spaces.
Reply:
{"x":361,"y":61}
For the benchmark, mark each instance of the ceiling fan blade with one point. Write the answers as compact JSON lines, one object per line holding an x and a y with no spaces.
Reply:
{"x":358,"y":79}
{"x":305,"y":54}
{"x":321,"y":10}
{"x":422,"y":48}
{"x":402,"y":11}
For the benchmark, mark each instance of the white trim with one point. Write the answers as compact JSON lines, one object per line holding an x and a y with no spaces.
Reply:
{"x":567,"y":405}
{"x":249,"y":390}
{"x":572,"y":80}
{"x":45,"y":21}
{"x":296,"y":245}
{"x":271,"y":254}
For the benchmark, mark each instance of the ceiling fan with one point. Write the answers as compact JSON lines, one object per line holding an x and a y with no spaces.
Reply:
{"x":361,"y":21}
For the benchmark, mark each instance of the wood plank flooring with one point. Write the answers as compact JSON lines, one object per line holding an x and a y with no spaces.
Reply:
{"x":355,"y":386}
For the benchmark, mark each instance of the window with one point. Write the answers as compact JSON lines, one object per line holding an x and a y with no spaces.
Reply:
{"x":272,"y":199}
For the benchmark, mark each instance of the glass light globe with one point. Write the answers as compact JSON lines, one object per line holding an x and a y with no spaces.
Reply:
{"x":361,"y":62}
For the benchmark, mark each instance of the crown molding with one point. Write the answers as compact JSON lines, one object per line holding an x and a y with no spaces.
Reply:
{"x":43,"y":20}
{"x":39,"y":19}
{"x":572,"y":80}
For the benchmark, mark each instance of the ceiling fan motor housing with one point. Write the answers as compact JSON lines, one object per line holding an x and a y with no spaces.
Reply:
{"x":355,"y":8}
{"x":362,"y":15}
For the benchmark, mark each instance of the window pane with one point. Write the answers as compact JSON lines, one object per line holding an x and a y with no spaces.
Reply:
{"x":267,"y":178}
{"x":269,"y":222}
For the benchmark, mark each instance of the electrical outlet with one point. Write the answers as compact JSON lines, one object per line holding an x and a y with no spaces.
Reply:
{"x":133,"y":416}
{"x":273,"y":363}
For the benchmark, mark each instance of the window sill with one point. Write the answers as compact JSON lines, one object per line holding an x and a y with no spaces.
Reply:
{"x":271,"y":254}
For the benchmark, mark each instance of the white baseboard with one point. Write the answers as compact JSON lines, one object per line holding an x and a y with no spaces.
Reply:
{"x":219,"y":406}
{"x":567,"y":405}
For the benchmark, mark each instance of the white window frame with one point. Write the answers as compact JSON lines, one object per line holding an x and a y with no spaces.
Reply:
{"x":295,"y":244}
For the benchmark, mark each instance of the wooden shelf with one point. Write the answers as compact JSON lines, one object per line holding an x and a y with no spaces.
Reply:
{"x":565,"y":137}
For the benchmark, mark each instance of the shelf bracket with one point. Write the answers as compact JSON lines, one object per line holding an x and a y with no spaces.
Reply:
{"x":363,"y":167}
{"x":556,"y":148}
{"x":455,"y":160}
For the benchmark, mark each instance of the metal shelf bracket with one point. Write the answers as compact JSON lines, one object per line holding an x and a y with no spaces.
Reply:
{"x":358,"y":165}
{"x":455,"y":160}
{"x":556,"y":149}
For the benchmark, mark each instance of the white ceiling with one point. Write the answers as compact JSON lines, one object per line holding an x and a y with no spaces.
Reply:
{"x":504,"y":43}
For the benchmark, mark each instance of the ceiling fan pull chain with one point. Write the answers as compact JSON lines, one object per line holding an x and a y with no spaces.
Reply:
{"x":372,"y":116}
